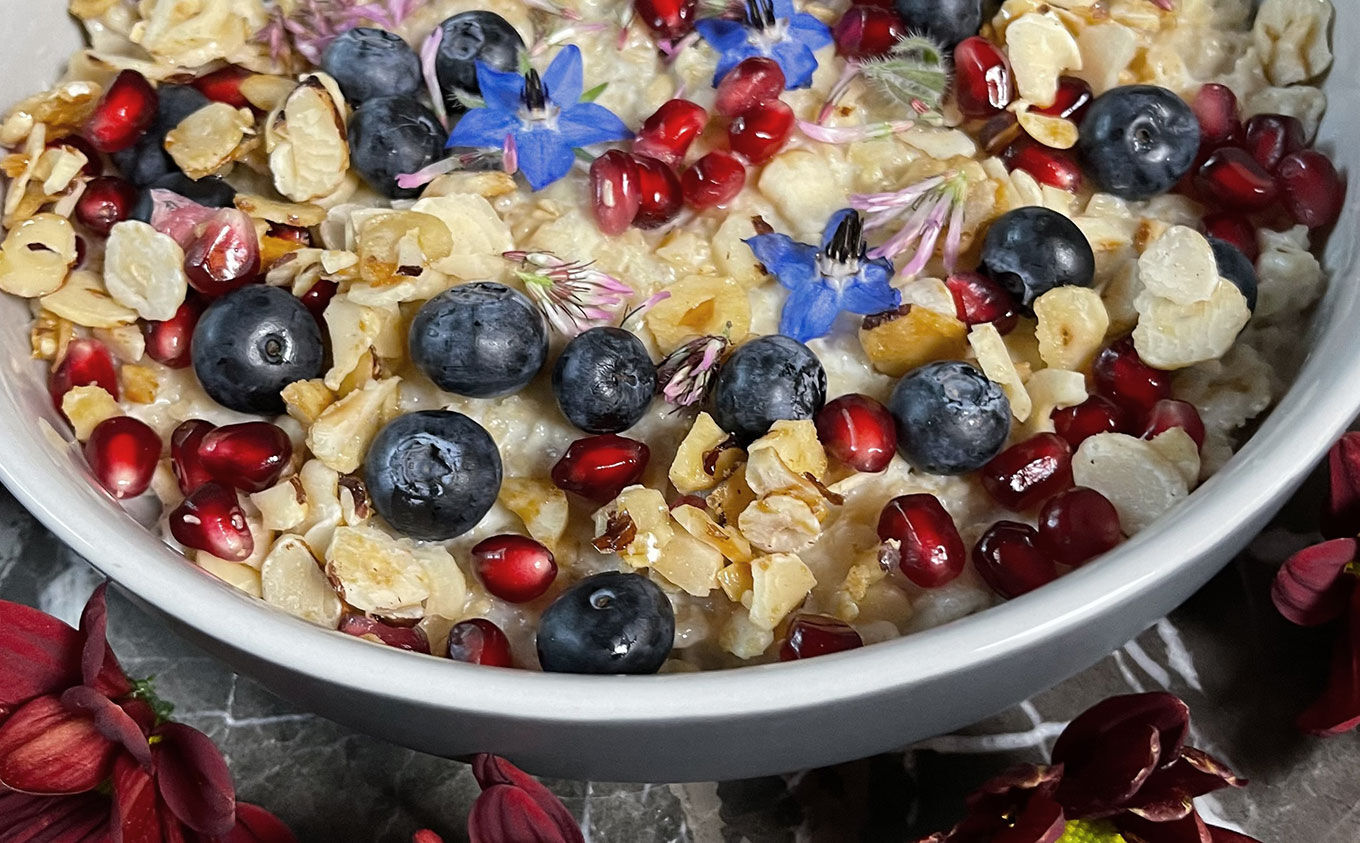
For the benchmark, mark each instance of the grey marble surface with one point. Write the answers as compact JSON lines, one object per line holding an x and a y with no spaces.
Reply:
{"x":1244,"y":672}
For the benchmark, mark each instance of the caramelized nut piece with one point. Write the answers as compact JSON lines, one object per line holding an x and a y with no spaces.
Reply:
{"x":780,"y":584}
{"x":911,"y":338}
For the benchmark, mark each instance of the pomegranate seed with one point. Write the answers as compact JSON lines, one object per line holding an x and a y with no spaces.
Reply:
{"x":1235,"y":180}
{"x":1270,"y":137}
{"x":1055,"y":167}
{"x":318,"y":296}
{"x":1078,"y":525}
{"x":667,"y":18}
{"x":514,"y":568}
{"x":1312,"y":188}
{"x":983,"y":81}
{"x":615,"y":191}
{"x":250,"y":456}
{"x":479,"y":641}
{"x":94,"y":162}
{"x":185,"y":454}
{"x":224,"y":85}
{"x":867,"y":32}
{"x":168,"y":342}
{"x":659,"y":194}
{"x":291,"y":234}
{"x":87,"y":363}
{"x":1094,"y":415}
{"x":401,"y":637}
{"x":107,"y":200}
{"x":1009,"y":561}
{"x":1029,"y":472}
{"x":668,"y":133}
{"x":1215,"y":107}
{"x":1169,"y":413}
{"x":1073,"y":98}
{"x":225,"y":255}
{"x":999,"y":132}
{"x":122,"y":453}
{"x":1235,"y":230}
{"x":599,"y":467}
{"x":920,"y":537}
{"x":858,"y":431}
{"x":817,"y":635}
{"x":752,"y":82}
{"x":126,"y":111}
{"x":713,"y":180}
{"x":1123,"y":377}
{"x":979,"y":299}
{"x":760,"y":131}
{"x":211,"y":519}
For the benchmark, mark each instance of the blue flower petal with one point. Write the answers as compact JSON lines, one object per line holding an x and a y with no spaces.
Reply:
{"x":587,"y":123}
{"x":564,"y":76}
{"x":871,"y":292}
{"x":783,"y":8}
{"x":832,"y":223}
{"x":722,"y":35}
{"x":810,"y":31}
{"x":809,"y":312}
{"x":543,"y":156}
{"x":731,"y":59}
{"x":483,"y":127}
{"x":797,"y":62}
{"x":792,"y":263}
{"x":500,"y":90}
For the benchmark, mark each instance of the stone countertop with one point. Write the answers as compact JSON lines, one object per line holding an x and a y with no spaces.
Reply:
{"x":1244,"y":672}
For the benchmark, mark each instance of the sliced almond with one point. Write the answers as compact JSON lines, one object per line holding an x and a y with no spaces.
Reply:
{"x":291,"y":579}
{"x":37,"y":255}
{"x":144,"y":270}
{"x":85,"y":301}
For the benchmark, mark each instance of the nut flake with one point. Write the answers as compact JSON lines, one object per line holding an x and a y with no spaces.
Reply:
{"x":1177,"y":448}
{"x":1180,"y":266}
{"x":282,"y":506}
{"x":780,"y":584}
{"x":995,"y":362}
{"x":725,"y":539}
{"x":341,"y":434}
{"x":63,"y":109}
{"x":650,"y":519}
{"x":144,"y":270}
{"x":306,"y":400}
{"x":542,"y":507}
{"x":1071,"y":326}
{"x":284,"y":213}
{"x":1049,"y":390}
{"x":211,"y":138}
{"x":780,"y":523}
{"x":291,"y":579}
{"x":690,"y":564}
{"x":478,"y":235}
{"x":85,"y":301}
{"x":86,"y":407}
{"x":897,"y":342}
{"x":1040,"y":49}
{"x":699,"y":305}
{"x":1174,"y":336}
{"x":1141,"y":483}
{"x":1053,"y":132}
{"x":190,"y":33}
{"x":239,"y":576}
{"x":36,"y":256}
{"x":796,"y":443}
{"x":376,"y":573}
{"x":692,"y":470}
{"x":1291,"y":36}
{"x":306,"y":141}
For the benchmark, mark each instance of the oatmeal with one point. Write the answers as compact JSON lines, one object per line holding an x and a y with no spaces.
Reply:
{"x":616,"y":337}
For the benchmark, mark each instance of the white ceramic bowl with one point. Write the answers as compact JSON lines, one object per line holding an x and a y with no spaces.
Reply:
{"x":711,"y":725}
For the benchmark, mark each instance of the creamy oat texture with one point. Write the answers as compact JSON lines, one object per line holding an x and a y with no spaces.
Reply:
{"x":784,"y":542}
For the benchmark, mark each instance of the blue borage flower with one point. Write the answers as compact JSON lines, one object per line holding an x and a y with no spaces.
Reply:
{"x":541,"y":120}
{"x":823,"y":282}
{"x":772,"y":29}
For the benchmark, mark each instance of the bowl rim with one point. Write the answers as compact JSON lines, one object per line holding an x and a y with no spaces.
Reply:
{"x":1301,"y":426}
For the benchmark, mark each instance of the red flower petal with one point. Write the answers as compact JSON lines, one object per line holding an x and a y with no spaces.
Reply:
{"x":194,"y":780}
{"x":1191,"y":829}
{"x":38,"y":654}
{"x":1338,"y":709}
{"x":256,"y":825}
{"x":1312,"y":587}
{"x":141,"y":713}
{"x":508,"y":814}
{"x":492,"y":770}
{"x":426,"y":836}
{"x":24,"y":817}
{"x":111,"y":721}
{"x":46,"y":748}
{"x":1170,"y":791}
{"x":1082,"y":742}
{"x":99,"y":667}
{"x":1016,"y":807}
{"x":136,"y":807}
{"x":1106,"y":783}
{"x":1342,"y":516}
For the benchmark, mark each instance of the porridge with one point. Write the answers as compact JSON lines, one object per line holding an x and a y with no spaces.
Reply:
{"x":617,"y":337}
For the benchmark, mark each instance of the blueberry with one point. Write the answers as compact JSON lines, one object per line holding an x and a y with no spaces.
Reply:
{"x":1138,"y":141}
{"x":949,"y":21}
{"x":1031,"y":250}
{"x":433,"y":474}
{"x":607,"y":623}
{"x":481,"y":340}
{"x":389,"y":136}
{"x":468,"y":38}
{"x":765,"y":380}
{"x":211,"y":191}
{"x":604,"y":380}
{"x":950,"y":418}
{"x":1236,"y":267}
{"x":146,"y":161}
{"x":368,"y":63}
{"x":251,"y":343}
